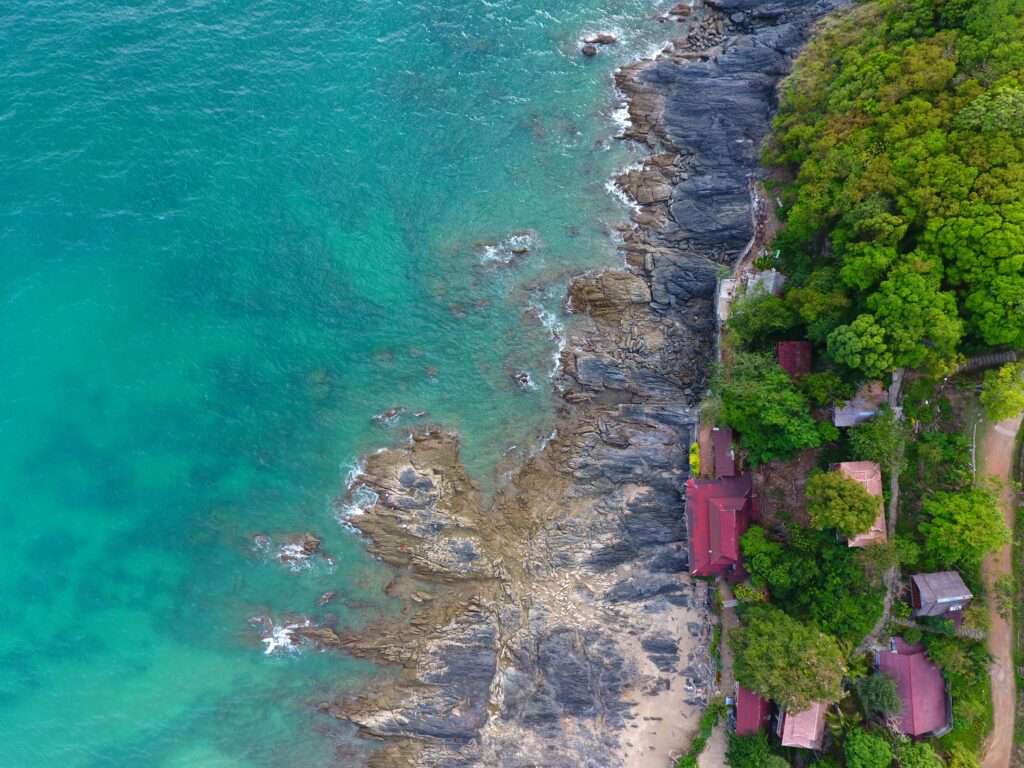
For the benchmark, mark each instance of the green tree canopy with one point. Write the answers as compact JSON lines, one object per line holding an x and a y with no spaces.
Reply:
{"x":759,"y":318}
{"x":753,"y":751}
{"x":814,"y":578}
{"x":961,"y":528}
{"x":837,"y":501}
{"x":780,"y":658}
{"x":920,"y":755}
{"x":761,"y":403}
{"x":862,"y":346}
{"x":1002,"y":392}
{"x":903,"y":125}
{"x":881,"y":439}
{"x":878,"y":694}
{"x":866,"y":750}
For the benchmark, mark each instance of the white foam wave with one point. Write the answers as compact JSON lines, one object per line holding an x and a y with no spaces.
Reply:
{"x":282,"y":638}
{"x":509,"y":249}
{"x":555,"y":328}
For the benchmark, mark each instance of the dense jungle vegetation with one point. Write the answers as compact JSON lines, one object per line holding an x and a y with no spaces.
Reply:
{"x":903,"y":127}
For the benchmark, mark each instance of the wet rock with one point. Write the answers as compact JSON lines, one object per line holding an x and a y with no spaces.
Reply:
{"x":599,"y":38}
{"x":327,"y":597}
{"x":389,"y":416}
{"x":523,"y":380}
{"x":588,"y":50}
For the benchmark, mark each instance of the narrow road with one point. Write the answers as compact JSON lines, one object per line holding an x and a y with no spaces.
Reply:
{"x":996,"y":459}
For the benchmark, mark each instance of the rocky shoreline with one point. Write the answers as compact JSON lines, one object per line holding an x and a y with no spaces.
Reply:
{"x":556,"y":625}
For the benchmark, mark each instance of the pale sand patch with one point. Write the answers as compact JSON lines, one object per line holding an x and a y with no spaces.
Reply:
{"x":664,"y":724}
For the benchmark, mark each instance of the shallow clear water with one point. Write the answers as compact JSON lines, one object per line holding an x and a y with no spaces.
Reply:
{"x":232,"y":233}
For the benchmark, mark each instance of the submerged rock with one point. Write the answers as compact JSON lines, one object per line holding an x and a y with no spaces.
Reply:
{"x":389,"y":416}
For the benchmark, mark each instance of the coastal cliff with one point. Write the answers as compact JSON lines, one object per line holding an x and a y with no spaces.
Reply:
{"x":556,"y":624}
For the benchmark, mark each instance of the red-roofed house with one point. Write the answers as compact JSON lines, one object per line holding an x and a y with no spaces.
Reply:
{"x":725,"y":457}
{"x":752,"y":712}
{"x":717,"y":514}
{"x":921,"y":688}
{"x":794,"y":357}
{"x":869,"y":475}
{"x":803,"y":729}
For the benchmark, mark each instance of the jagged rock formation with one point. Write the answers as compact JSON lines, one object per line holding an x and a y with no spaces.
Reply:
{"x":561,"y":617}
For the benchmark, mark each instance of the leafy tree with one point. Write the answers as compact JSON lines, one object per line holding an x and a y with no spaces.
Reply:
{"x":878,"y":694}
{"x":920,"y":755}
{"x":1001,"y":109}
{"x":761,"y":403}
{"x":866,"y":750}
{"x":837,"y":501}
{"x":961,"y":757}
{"x":1002,"y":391}
{"x":753,"y":751}
{"x":814,"y":578}
{"x":903,"y":126}
{"x":961,"y":528}
{"x":878,"y":557}
{"x":825,"y":388}
{"x":861,"y":345}
{"x":760,"y":317}
{"x":920,"y":320}
{"x":781,"y":659}
{"x":881,"y":439}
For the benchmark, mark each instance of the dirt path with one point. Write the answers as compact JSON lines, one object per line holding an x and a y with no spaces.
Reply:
{"x":996,"y":443}
{"x":713,"y":755}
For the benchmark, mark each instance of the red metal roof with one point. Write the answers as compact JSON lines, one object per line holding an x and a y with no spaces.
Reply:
{"x":725,"y":459}
{"x":920,"y":686}
{"x":794,"y":357}
{"x":752,"y":712}
{"x":717,"y":514}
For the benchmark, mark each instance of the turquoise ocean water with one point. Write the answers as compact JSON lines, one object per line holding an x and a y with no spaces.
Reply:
{"x":232,"y":232}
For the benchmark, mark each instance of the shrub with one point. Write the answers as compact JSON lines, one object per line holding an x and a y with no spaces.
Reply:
{"x":781,"y":659}
{"x":1002,"y":392}
{"x":878,"y":694}
{"x":912,"y":635}
{"x":920,"y":755}
{"x":695,"y":460}
{"x":754,"y":751}
{"x":961,"y":528}
{"x":761,"y":402}
{"x":866,"y":750}
{"x":837,"y":501}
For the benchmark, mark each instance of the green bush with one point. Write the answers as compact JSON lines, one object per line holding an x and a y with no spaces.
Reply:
{"x":912,"y":635}
{"x":866,"y":750}
{"x":878,"y":694}
{"x":760,"y":401}
{"x":753,"y":751}
{"x":781,"y":659}
{"x":920,"y":755}
{"x":837,"y":501}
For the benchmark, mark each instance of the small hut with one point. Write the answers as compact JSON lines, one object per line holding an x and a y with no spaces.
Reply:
{"x":937,"y":594}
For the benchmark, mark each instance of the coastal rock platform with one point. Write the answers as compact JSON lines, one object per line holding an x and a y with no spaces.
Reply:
{"x":555,"y":625}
